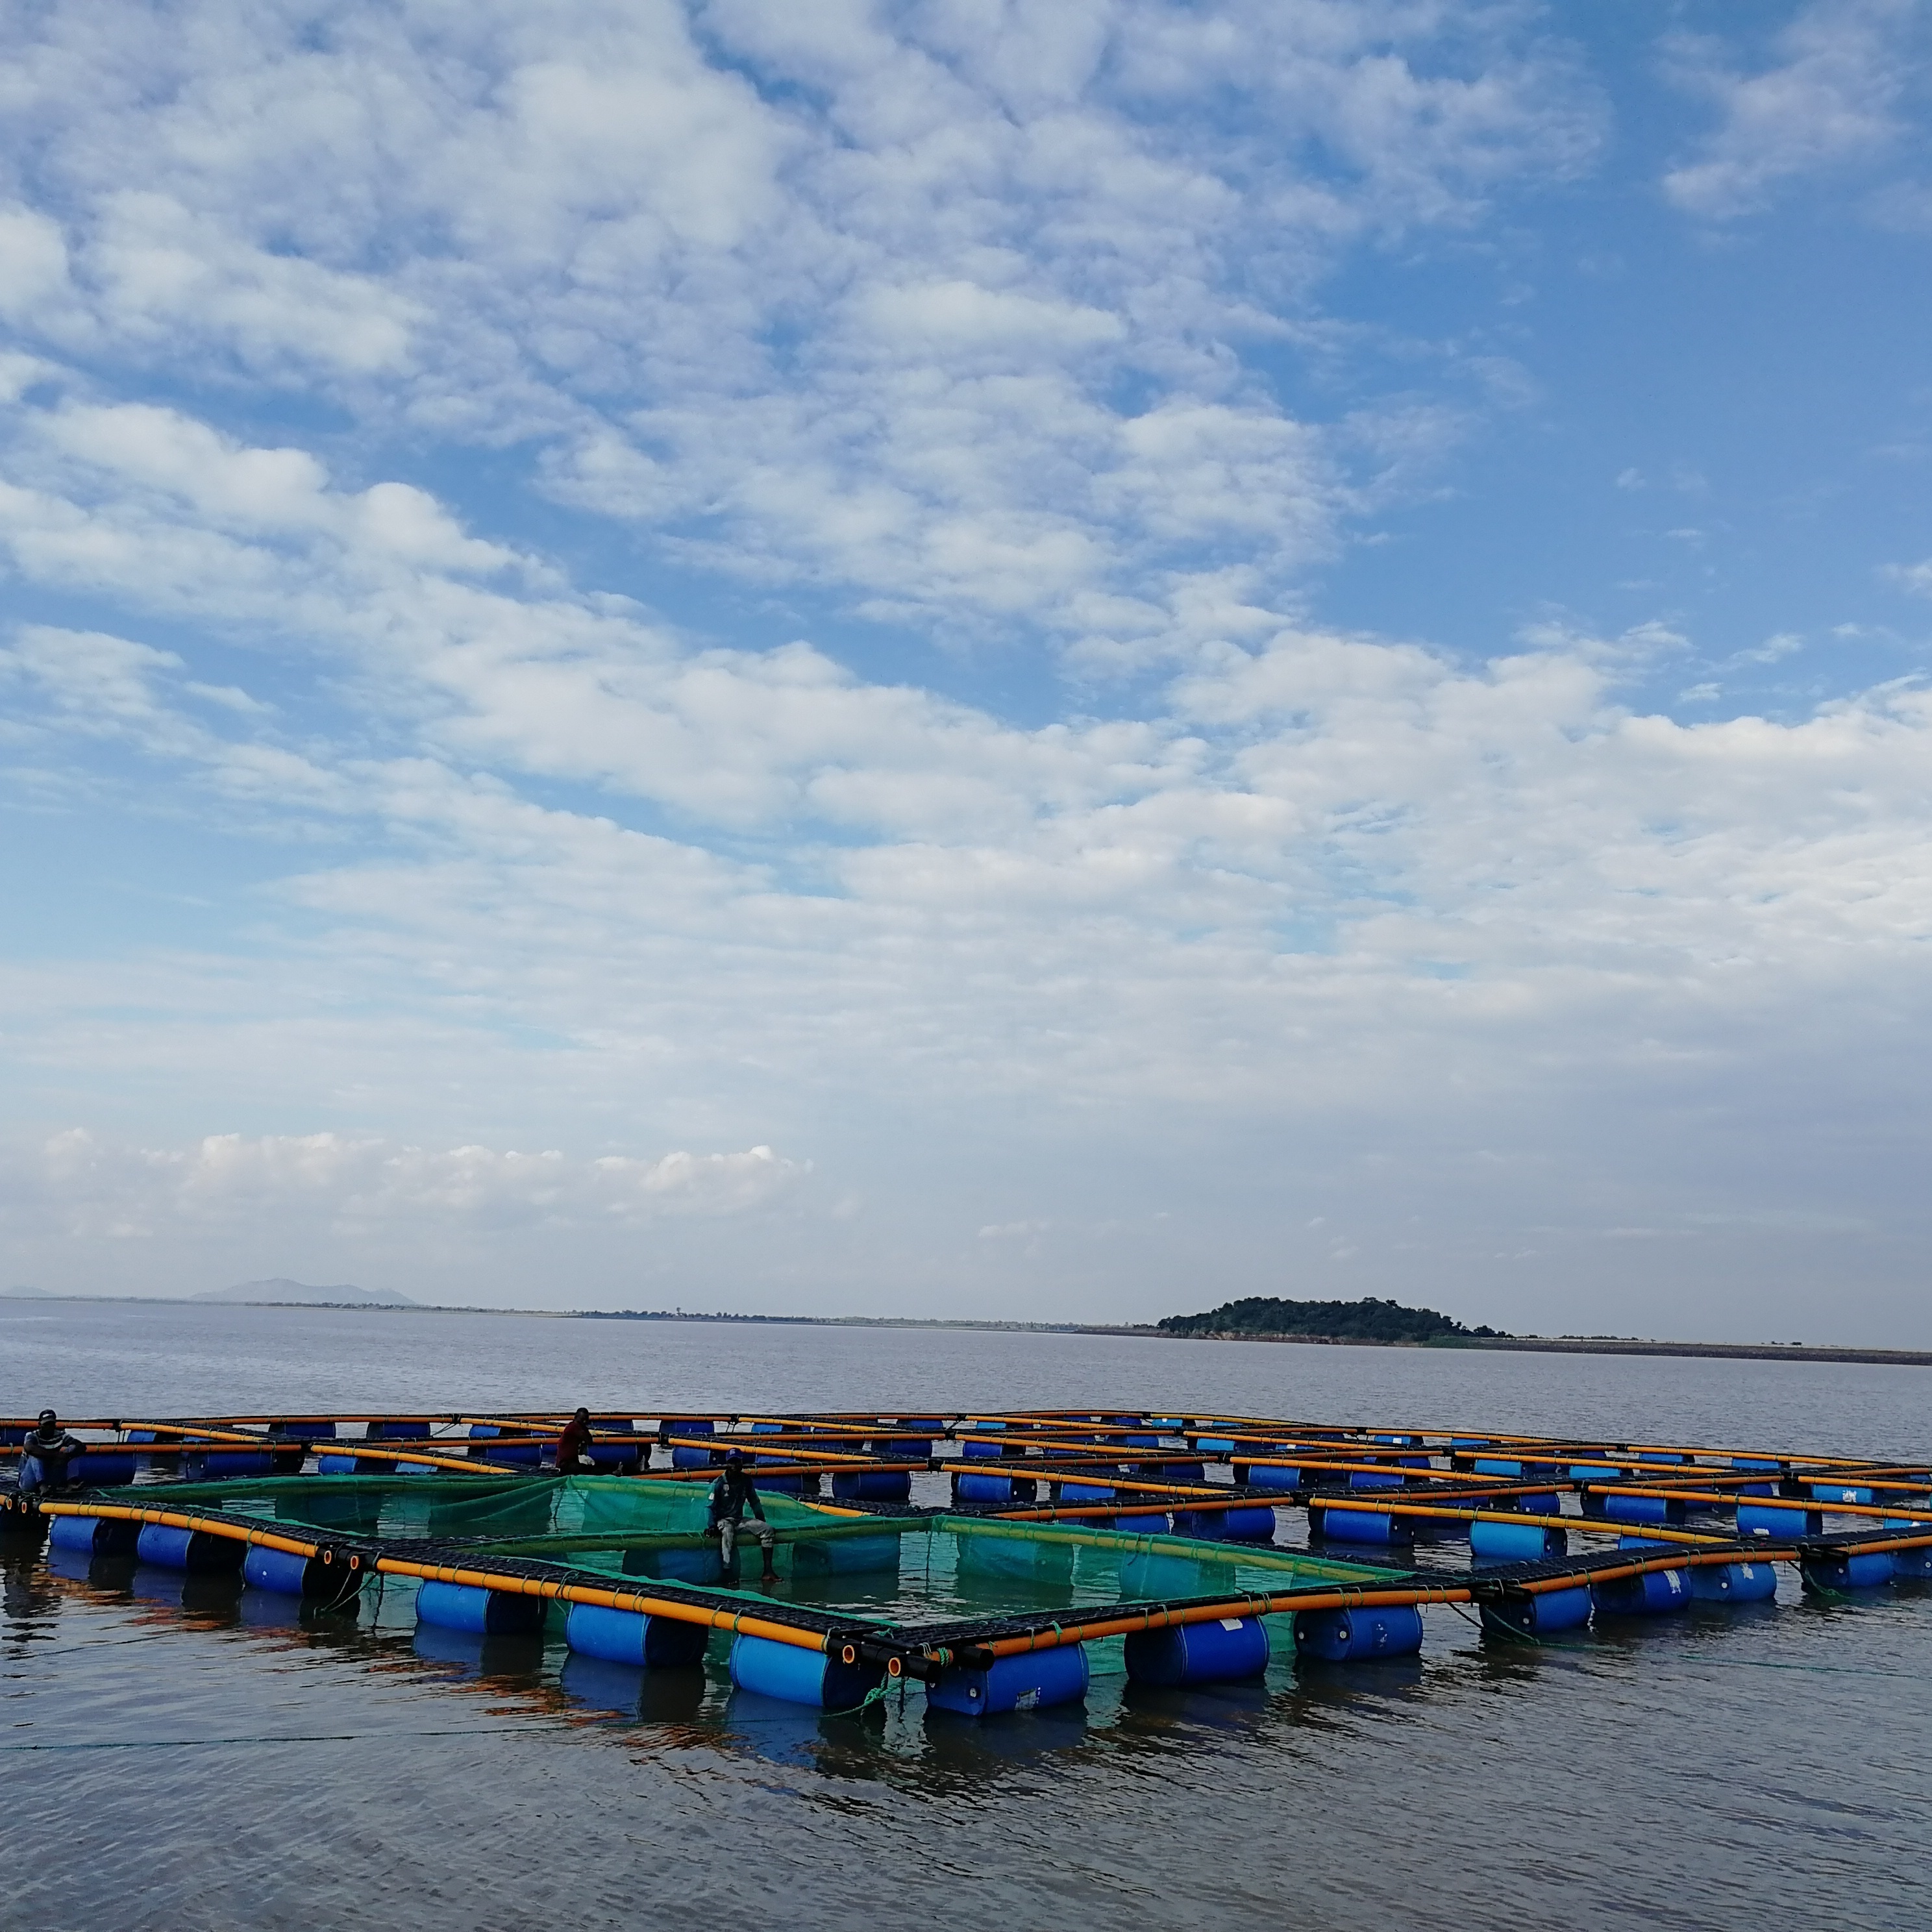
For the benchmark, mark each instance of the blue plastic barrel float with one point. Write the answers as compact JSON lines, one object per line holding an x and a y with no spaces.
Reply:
{"x":703,"y":1565}
{"x":398,"y":1428}
{"x":218,"y":1465}
{"x":1778,"y":1519}
{"x":694,"y":1455}
{"x":783,"y":1483}
{"x":196,"y":1551}
{"x":1254,"y":1524}
{"x":517,"y":1451}
{"x":484,"y":1612}
{"x":95,"y":1535}
{"x":1643,"y":1509}
{"x":1594,"y":1472}
{"x":291,"y":1574}
{"x":1538,"y":1502}
{"x":796,"y":1675}
{"x":1224,"y":1651}
{"x":981,"y":1450}
{"x":1036,"y":1680}
{"x":1516,"y":1542}
{"x":1651,"y":1593}
{"x":1262,"y":1476}
{"x":976,"y":1486}
{"x":633,"y":1636}
{"x":847,"y":1556}
{"x":1084,"y":1495}
{"x":1546,"y":1614}
{"x":1911,"y":1562}
{"x":1215,"y":1445}
{"x":621,"y":1457}
{"x":1731,"y":1582}
{"x":1337,"y":1525}
{"x":328,"y":1465}
{"x":1359,"y":1635}
{"x":1841,"y":1492}
{"x":101,"y":1468}
{"x":872,"y":1486}
{"x":1847,"y":1569}
{"x":1374,"y":1479}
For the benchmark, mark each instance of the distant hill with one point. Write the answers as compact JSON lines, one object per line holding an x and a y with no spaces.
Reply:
{"x":23,"y":1293}
{"x":281,"y":1290}
{"x":1368,"y":1320}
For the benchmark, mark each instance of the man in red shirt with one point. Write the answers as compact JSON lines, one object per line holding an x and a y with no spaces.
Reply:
{"x":573,"y":1447}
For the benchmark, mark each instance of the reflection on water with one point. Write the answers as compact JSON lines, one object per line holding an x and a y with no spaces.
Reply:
{"x":180,"y":1753}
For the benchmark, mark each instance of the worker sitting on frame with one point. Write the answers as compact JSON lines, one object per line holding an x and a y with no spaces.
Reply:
{"x":46,"y":1453}
{"x":731,"y":1494}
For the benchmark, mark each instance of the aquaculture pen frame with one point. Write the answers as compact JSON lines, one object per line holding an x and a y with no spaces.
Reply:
{"x":1681,"y":1521}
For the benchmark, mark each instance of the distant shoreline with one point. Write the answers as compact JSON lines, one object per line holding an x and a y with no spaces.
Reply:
{"x":1537,"y":1345}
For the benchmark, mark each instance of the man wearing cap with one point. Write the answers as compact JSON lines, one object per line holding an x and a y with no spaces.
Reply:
{"x":573,"y":1447}
{"x":45,"y":1454}
{"x":731,"y":1494}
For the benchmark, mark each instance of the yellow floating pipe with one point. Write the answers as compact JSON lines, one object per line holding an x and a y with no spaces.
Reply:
{"x":557,"y":1590}
{"x":265,"y":1539}
{"x":1267,"y":1604}
{"x":1889,"y":1510}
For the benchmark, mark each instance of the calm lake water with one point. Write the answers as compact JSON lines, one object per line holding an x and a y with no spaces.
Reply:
{"x":192,"y":1756}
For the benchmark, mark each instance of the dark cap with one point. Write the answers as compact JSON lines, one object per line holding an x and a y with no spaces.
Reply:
{"x":735,"y":1459}
{"x":47,"y":1415}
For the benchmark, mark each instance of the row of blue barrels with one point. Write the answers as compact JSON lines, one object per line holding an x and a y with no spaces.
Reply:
{"x":1503,"y":1541}
{"x":1249,"y":1523}
{"x":1285,"y":1476}
{"x":1656,"y":1592}
{"x":1222,"y":1650}
{"x":202,"y":1552}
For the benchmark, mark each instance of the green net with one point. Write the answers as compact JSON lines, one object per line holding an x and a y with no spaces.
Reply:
{"x":914,"y":1569}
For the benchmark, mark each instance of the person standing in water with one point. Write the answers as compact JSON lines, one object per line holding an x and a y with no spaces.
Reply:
{"x":731,"y":1494}
{"x":46,"y":1453}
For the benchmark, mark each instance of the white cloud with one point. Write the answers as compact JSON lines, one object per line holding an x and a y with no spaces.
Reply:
{"x":873,"y":304}
{"x":33,"y":262}
{"x":1913,"y":577}
{"x":1833,"y":98}
{"x":94,"y":1188}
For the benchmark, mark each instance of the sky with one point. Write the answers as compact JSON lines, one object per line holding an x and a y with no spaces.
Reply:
{"x":1048,"y":660}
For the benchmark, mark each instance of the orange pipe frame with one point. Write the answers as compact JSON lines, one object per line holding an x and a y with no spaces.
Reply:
{"x":1083,"y":1512}
{"x":528,"y":1586}
{"x":556,"y":1589}
{"x":1269,"y":1604}
{"x":846,"y":1465}
{"x":176,"y":1519}
{"x":1824,"y":1508}
{"x":1596,"y":1525}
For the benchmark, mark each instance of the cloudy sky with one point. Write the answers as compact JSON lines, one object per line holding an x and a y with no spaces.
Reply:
{"x":1055,"y":658}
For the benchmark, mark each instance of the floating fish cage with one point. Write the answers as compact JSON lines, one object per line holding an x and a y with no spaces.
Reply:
{"x":987,"y":1559}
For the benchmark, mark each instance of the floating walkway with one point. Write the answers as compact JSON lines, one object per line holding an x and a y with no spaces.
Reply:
{"x":979,"y":1556}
